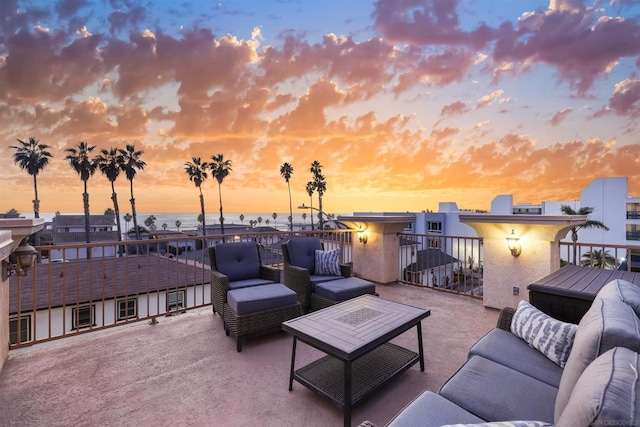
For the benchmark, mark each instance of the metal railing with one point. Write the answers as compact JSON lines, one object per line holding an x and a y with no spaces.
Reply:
{"x":606,"y":256}
{"x":81,"y":288}
{"x":448,"y":263}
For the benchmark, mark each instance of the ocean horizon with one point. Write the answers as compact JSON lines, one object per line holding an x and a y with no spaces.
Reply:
{"x":189,"y":220}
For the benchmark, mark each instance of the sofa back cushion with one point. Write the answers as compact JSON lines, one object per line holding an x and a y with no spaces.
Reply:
{"x":238,"y":261}
{"x":607,"y":324}
{"x":607,"y":393}
{"x":623,"y":291}
{"x":302,"y":252}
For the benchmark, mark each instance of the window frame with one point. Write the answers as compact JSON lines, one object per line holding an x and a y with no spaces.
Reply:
{"x":437,"y":229}
{"x":13,"y":332}
{"x":126,"y":309}
{"x":179,"y":301}
{"x":75,"y":314}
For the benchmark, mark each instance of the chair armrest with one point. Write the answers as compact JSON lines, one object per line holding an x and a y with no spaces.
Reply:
{"x":270,"y":273}
{"x":345,"y":270}
{"x":504,"y":318}
{"x":219,"y":289}
{"x":298,"y":279}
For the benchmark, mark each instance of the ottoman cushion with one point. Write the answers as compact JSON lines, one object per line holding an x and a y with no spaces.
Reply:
{"x":344,"y":289}
{"x":259,"y":298}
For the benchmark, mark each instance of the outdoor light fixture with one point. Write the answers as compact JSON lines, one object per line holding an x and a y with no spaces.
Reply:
{"x":23,"y":259}
{"x":362,"y":235}
{"x":513,"y":242}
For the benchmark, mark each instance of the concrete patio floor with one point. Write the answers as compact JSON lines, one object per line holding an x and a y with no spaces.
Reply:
{"x":185,"y":371}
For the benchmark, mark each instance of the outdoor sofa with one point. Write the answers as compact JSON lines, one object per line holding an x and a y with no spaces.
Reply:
{"x":317,"y":277}
{"x":511,"y":379}
{"x":247,"y":294}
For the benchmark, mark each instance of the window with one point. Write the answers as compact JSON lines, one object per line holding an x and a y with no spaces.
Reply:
{"x":633,"y":231}
{"x":83,"y":316}
{"x":434,"y":243}
{"x":633,"y":210}
{"x":127,"y":308}
{"x":25,"y":329}
{"x":434,"y":227}
{"x":175,"y":300}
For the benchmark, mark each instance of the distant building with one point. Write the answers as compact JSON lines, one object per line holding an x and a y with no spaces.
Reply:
{"x":70,"y":229}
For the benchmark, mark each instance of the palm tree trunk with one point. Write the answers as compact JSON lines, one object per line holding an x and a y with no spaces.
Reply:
{"x":290,"y":208}
{"x":36,"y":212}
{"x":320,"y":211}
{"x":133,"y":212}
{"x":221,"y":215}
{"x":204,"y":222}
{"x":87,"y":219}
{"x":311,"y":212}
{"x":574,"y":238}
{"x":116,"y":209}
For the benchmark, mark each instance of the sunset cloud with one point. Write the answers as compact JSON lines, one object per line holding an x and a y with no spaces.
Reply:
{"x":394,"y":98}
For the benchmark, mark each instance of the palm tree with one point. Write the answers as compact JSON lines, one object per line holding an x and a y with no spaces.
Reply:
{"x":304,"y":216}
{"x":311,"y":187}
{"x":275,"y":215}
{"x":32,"y":157}
{"x":127,"y":219}
{"x":130,"y":165}
{"x":109,"y":163}
{"x":260,"y":220}
{"x":197,"y":171}
{"x":597,"y":259}
{"x":320,"y":186}
{"x":242,"y":218}
{"x":568,"y":210}
{"x":178,"y":224}
{"x":150,"y":222}
{"x":286,"y":170}
{"x":164,"y":226}
{"x":220,"y":169}
{"x":267,"y":221}
{"x":80,"y":161}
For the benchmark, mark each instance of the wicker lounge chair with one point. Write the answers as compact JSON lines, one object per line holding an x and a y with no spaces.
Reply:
{"x":315,"y":291}
{"x":246,"y":294}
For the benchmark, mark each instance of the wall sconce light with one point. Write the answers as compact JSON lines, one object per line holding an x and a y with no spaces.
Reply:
{"x":362,"y":235}
{"x":513,"y":242}
{"x":22,"y":259}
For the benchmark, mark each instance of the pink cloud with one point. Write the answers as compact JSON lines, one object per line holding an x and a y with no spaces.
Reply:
{"x":559,"y":117}
{"x":457,"y":107}
{"x":626,"y":98}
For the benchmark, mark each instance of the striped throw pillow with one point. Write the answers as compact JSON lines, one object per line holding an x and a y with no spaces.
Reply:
{"x":550,"y":336}
{"x":327,"y":263}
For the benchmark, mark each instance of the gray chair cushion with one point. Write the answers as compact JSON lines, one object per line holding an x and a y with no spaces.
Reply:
{"x":321,"y":279}
{"x":302,"y":252}
{"x":431,"y":410}
{"x":238,"y":261}
{"x":623,"y":291}
{"x":248,"y":282}
{"x":607,"y":394}
{"x":259,"y":298}
{"x":345,"y":288}
{"x":607,"y":324}
{"x":507,"y":349}
{"x":495,"y":392}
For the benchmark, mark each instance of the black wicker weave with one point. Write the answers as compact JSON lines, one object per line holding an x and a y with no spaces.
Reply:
{"x":299,"y":279}
{"x":504,"y":318}
{"x":253,"y":324}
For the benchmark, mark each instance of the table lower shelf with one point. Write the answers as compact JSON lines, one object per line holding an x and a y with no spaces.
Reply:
{"x":368,"y":373}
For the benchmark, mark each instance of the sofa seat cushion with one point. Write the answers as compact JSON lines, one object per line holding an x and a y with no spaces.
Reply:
{"x":248,"y":282}
{"x":259,"y":298}
{"x":321,"y":279}
{"x":431,"y":410}
{"x":517,"y":423}
{"x":495,"y":392}
{"x":623,"y":291}
{"x":238,"y":260}
{"x":607,"y":393}
{"x":607,"y":324}
{"x":550,"y":336}
{"x":345,"y":288}
{"x":507,"y":349}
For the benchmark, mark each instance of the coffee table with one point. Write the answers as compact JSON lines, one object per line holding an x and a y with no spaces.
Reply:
{"x":355,"y":335}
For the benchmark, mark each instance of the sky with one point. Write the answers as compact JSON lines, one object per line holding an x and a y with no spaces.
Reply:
{"x":405,"y":103}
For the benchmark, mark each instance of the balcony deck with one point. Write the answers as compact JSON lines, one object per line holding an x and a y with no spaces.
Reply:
{"x":185,"y":371}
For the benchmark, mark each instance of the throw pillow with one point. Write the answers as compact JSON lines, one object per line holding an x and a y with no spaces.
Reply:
{"x":328,"y":263}
{"x":550,"y":336}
